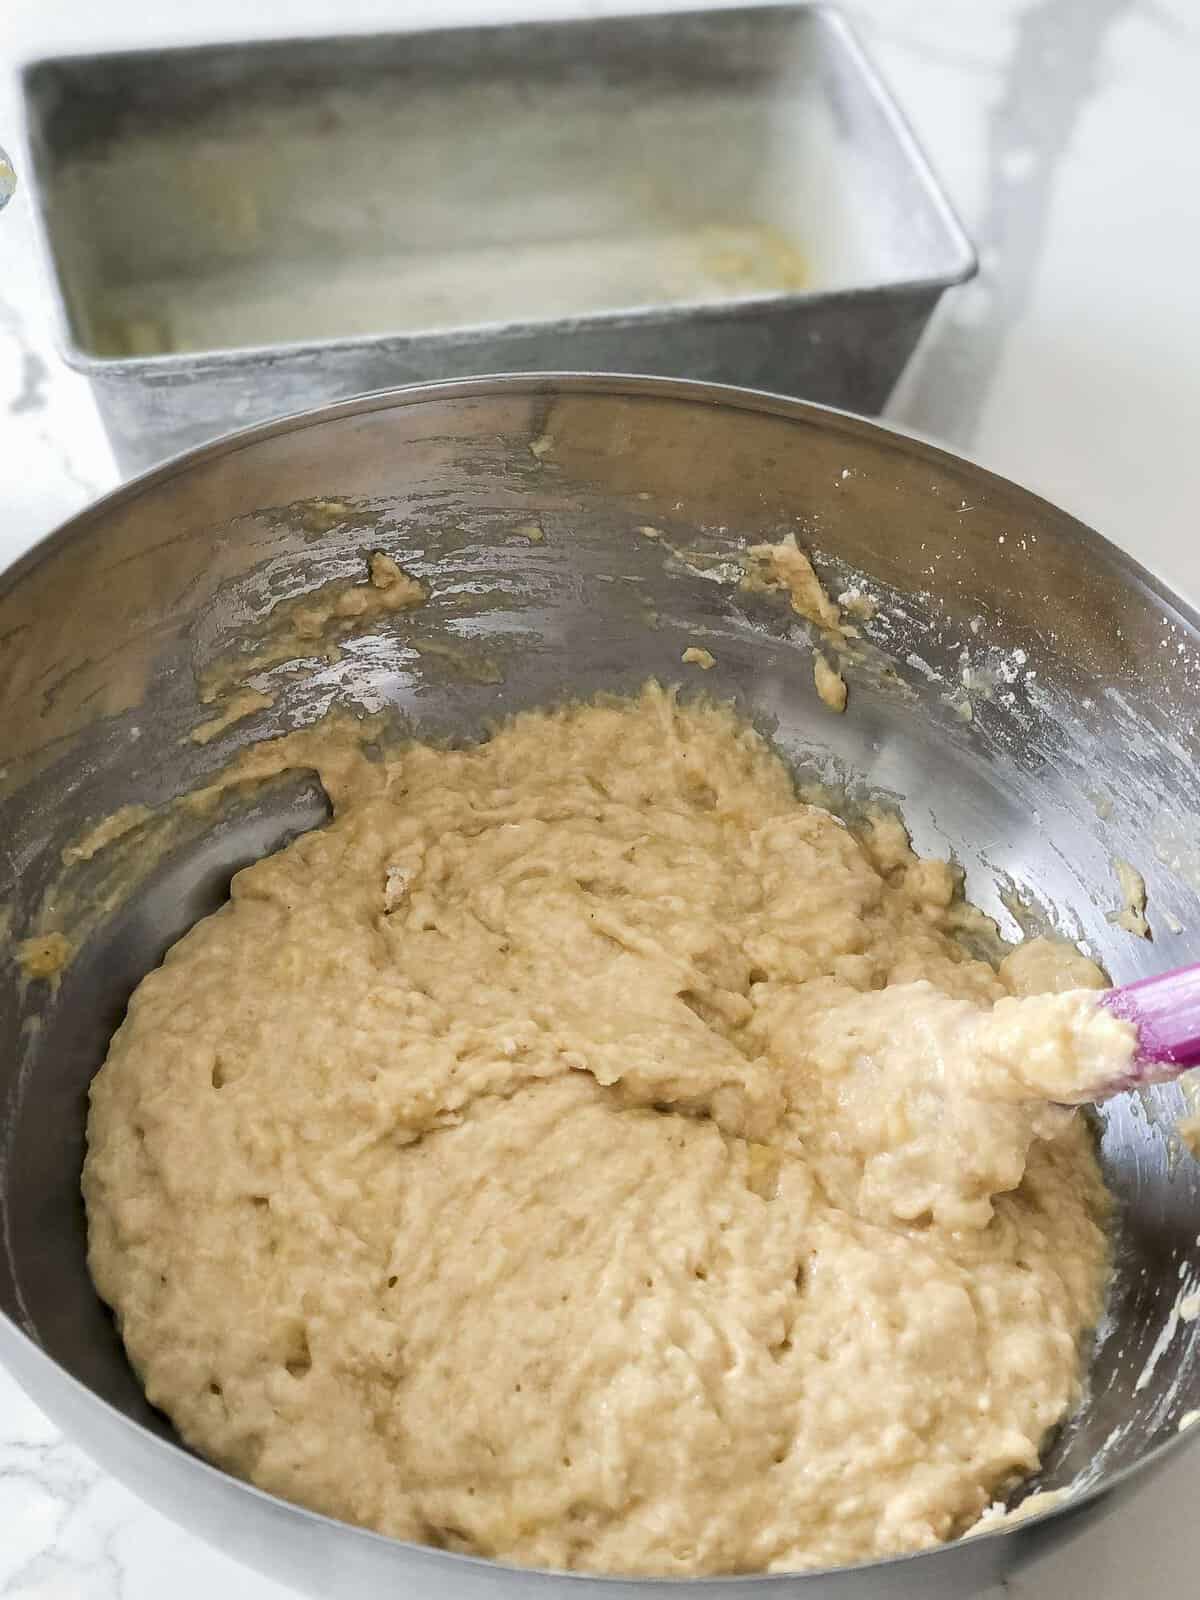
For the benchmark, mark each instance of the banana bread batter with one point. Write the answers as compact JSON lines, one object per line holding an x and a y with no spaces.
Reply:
{"x":583,"y":1153}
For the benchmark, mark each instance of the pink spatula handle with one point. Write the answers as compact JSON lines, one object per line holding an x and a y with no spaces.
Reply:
{"x":1165,"y":1010}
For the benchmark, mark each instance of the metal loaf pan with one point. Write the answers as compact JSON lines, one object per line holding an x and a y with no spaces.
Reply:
{"x":235,"y":232}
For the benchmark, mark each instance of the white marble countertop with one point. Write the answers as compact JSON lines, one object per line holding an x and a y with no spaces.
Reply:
{"x":1066,"y":132}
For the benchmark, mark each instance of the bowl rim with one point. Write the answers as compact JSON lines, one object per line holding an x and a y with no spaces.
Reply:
{"x":551,"y":384}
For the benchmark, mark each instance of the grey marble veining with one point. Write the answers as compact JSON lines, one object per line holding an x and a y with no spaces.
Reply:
{"x":1051,"y":71}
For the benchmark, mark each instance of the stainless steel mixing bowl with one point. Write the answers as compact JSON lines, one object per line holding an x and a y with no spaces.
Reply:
{"x":1027,"y":692}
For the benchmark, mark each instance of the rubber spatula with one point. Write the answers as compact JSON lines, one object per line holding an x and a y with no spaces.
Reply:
{"x":1165,"y":1010}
